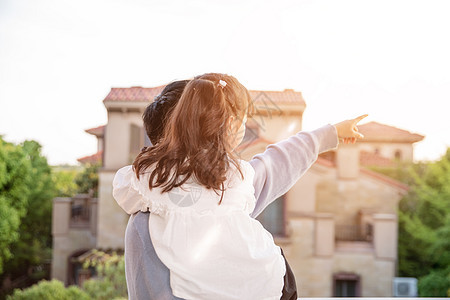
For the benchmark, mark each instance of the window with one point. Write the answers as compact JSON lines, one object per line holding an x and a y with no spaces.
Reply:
{"x":398,"y":154}
{"x":346,"y":285}
{"x":81,"y":274}
{"x":135,"y":141}
{"x":273,"y":217}
{"x":138,"y":140}
{"x":75,"y":271}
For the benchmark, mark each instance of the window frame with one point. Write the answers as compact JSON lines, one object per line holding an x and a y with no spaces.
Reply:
{"x":283,"y":234}
{"x":341,"y":276}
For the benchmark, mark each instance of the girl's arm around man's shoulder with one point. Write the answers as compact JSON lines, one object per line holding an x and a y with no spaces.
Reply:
{"x":283,"y":163}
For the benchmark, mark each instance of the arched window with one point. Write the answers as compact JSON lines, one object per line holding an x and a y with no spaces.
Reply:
{"x":138,"y":140}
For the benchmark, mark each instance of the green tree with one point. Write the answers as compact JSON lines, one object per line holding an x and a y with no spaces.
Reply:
{"x":435,"y":284}
{"x":64,"y":181}
{"x":49,"y":290}
{"x":424,"y":228}
{"x":87,"y":180}
{"x":15,"y":177}
{"x":28,"y":195}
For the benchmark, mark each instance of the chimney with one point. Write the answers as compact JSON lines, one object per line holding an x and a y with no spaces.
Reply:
{"x":347,"y":161}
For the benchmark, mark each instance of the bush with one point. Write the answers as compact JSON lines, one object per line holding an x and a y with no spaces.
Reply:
{"x":49,"y":290}
{"x":110,"y":280}
{"x":435,"y":284}
{"x":109,"y":283}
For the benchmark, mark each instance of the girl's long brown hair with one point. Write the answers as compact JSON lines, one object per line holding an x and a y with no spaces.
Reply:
{"x":196,"y":140}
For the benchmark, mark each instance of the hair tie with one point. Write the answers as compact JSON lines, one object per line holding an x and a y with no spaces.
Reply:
{"x":222,"y":83}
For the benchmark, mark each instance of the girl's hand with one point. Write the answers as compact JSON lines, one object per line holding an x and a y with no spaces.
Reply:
{"x":347,"y":130}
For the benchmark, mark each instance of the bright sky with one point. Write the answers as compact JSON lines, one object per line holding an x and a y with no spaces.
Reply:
{"x":59,"y":59}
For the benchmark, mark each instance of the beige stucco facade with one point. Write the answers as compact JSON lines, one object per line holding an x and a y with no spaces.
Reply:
{"x":112,"y":220}
{"x":269,"y":126}
{"x":118,"y":138}
{"x":400,"y":151}
{"x":315,"y":258}
{"x":330,"y":196}
{"x":326,"y":198}
{"x":71,"y":235}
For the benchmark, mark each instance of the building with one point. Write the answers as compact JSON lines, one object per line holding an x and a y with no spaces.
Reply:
{"x":337,"y":225}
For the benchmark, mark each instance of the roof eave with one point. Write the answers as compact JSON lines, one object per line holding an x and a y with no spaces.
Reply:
{"x":125,"y":105}
{"x":281,"y":109}
{"x":383,"y":178}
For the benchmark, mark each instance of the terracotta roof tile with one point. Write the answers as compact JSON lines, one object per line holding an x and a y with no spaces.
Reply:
{"x":97,"y":131}
{"x":287,"y":96}
{"x":325,"y":162}
{"x":377,"y":132}
{"x":91,"y":159}
{"x":141,"y":94}
{"x":135,"y":94}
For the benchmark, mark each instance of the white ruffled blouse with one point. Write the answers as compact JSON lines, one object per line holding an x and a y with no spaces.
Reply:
{"x":212,"y":251}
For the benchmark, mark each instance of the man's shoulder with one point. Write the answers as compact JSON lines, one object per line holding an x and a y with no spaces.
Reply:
{"x":138,"y":225}
{"x":139,"y":219}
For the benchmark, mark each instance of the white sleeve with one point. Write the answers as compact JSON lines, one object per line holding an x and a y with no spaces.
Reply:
{"x":125,"y":193}
{"x":283,"y":163}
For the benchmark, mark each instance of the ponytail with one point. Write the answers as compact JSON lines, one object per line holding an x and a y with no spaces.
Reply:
{"x":195,"y":139}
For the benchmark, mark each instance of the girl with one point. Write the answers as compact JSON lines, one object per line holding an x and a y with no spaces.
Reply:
{"x":201,"y":196}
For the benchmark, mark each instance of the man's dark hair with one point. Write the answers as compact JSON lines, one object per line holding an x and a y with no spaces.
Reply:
{"x":156,"y":114}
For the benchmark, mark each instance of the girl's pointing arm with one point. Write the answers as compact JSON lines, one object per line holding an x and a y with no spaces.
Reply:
{"x":283,"y":163}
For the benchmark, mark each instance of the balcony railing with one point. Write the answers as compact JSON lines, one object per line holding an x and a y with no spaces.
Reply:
{"x":80,"y":211}
{"x":354,"y":233}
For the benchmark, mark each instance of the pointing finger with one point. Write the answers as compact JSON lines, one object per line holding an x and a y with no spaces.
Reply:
{"x":356,"y":120}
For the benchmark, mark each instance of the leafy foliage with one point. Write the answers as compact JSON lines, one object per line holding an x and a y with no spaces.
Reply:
{"x":87,"y":180}
{"x":424,"y":227}
{"x":49,"y":290}
{"x":35,"y":242}
{"x":435,"y":284}
{"x":26,"y":193}
{"x":27,"y":187}
{"x":108,"y":283}
{"x":110,"y":280}
{"x":15,"y":177}
{"x":64,"y":181}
